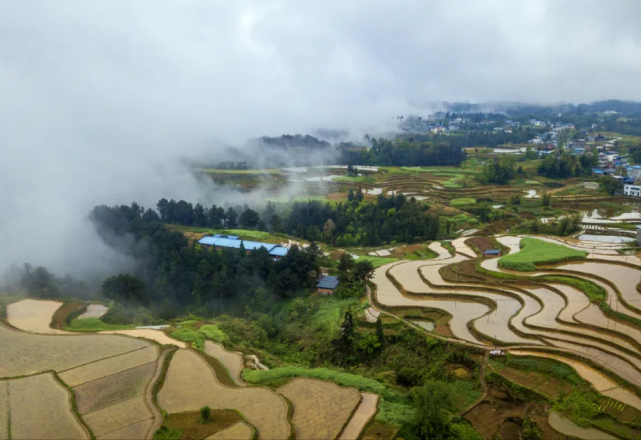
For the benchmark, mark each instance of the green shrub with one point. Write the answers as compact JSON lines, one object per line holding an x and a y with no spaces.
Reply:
{"x":213,"y":332}
{"x":463,"y":201}
{"x":205,"y":414}
{"x":343,"y":379}
{"x":189,"y":336}
{"x":96,"y":325}
{"x":395,"y":413}
{"x":535,"y":251}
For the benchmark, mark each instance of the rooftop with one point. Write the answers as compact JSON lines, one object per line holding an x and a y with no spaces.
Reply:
{"x":235,"y":243}
{"x":493,"y":252}
{"x":327,"y":282}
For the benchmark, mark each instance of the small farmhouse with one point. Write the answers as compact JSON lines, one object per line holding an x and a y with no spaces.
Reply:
{"x":492,"y":253}
{"x":326,"y":284}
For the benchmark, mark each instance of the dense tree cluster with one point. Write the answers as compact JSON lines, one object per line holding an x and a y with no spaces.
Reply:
{"x":567,"y":165}
{"x":357,"y":222}
{"x":295,"y":141}
{"x":179,"y":275}
{"x":499,"y":170}
{"x":405,"y":153}
{"x":394,"y":218}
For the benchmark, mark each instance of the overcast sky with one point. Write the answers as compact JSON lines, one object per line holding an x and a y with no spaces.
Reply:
{"x":98,"y":99}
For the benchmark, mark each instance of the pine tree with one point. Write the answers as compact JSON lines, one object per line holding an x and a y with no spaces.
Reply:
{"x":379,"y":330}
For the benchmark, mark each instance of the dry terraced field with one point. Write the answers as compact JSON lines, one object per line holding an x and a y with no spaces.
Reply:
{"x":321,"y":409}
{"x":39,"y":407}
{"x":191,"y":384}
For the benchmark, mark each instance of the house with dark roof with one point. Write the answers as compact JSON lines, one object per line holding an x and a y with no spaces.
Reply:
{"x":326,"y":284}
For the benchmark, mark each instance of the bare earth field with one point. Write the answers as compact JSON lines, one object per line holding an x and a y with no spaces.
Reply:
{"x":321,"y":409}
{"x":136,"y":431}
{"x":118,"y":416}
{"x":113,"y":365}
{"x":191,"y":384}
{"x":4,"y":409}
{"x":238,"y":431}
{"x":152,"y":335}
{"x":109,"y":390}
{"x":41,"y":408}
{"x":26,"y":353}
{"x":364,"y":413}
{"x":232,"y":360}
{"x":33,"y":315}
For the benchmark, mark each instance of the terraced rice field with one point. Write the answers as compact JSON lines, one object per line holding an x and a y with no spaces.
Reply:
{"x":33,"y":315}
{"x":232,"y":360}
{"x":238,"y":431}
{"x":112,"y":389}
{"x":59,"y":353}
{"x":547,"y":315}
{"x":566,"y":427}
{"x":364,"y":413}
{"x":113,"y":365}
{"x":191,"y":384}
{"x":153,"y":335}
{"x":321,"y":409}
{"x":39,"y":407}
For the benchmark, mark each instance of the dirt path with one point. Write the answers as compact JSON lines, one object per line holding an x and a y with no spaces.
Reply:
{"x":149,"y":399}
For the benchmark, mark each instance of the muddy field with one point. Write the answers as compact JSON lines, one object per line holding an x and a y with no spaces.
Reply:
{"x":33,"y":315}
{"x":117,"y":417}
{"x":232,"y":360}
{"x":32,"y":397}
{"x":95,"y":370}
{"x":238,"y":431}
{"x":191,"y":384}
{"x":320,"y":408}
{"x":112,"y":389}
{"x":153,"y":335}
{"x":26,"y":353}
{"x":364,"y":413}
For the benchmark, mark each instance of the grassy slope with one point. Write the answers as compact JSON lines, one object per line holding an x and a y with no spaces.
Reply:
{"x":535,"y":251}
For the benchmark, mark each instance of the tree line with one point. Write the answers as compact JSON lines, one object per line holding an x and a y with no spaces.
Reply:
{"x":385,"y":152}
{"x":356,"y":222}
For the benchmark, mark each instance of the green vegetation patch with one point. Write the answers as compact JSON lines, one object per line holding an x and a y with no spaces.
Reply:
{"x":534,"y":251}
{"x":342,"y":379}
{"x":213,"y":332}
{"x":96,"y":325}
{"x":463,"y":201}
{"x":395,"y":413}
{"x":377,"y":261}
{"x":592,"y":290}
{"x":189,"y":336}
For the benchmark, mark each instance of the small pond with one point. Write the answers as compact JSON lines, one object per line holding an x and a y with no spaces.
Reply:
{"x":424,"y":324}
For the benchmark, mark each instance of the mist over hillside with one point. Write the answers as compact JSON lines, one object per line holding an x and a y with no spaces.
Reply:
{"x":105,"y":104}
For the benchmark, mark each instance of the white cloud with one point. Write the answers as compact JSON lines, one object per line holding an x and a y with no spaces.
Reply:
{"x":101,"y":99}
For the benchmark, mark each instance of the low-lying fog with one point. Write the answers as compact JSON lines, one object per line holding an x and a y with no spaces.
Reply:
{"x":108,"y":102}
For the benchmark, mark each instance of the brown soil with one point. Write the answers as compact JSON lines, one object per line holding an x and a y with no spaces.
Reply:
{"x":379,"y":431}
{"x":192,"y":428}
{"x":59,"y":319}
{"x":490,"y":416}
{"x":538,"y":382}
{"x":481,"y":243}
{"x":221,"y":372}
{"x":442,"y":327}
{"x":547,"y":432}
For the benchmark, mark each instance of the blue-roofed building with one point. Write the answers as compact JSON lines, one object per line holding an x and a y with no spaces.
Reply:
{"x":278,"y":252}
{"x":221,"y":241}
{"x":635,"y":172}
{"x":597,"y":171}
{"x":327,"y":284}
{"x":492,"y":253}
